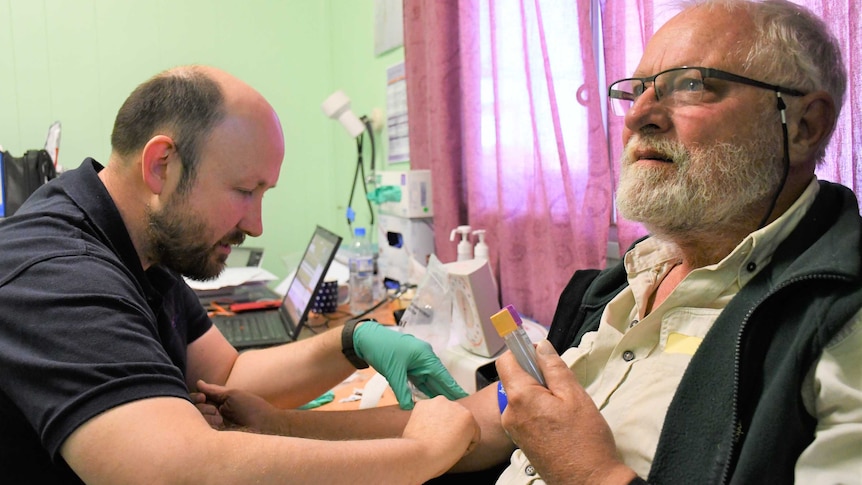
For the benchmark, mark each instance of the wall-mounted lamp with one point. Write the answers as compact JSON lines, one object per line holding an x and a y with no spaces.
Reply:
{"x":337,"y":107}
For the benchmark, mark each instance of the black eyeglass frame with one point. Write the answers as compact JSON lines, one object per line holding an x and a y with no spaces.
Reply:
{"x":708,"y":72}
{"x":705,"y":73}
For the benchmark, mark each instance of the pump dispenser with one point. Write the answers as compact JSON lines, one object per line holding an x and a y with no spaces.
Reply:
{"x":465,"y":249}
{"x":481,"y":250}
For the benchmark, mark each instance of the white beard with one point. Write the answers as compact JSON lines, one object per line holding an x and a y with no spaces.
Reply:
{"x":700,"y":189}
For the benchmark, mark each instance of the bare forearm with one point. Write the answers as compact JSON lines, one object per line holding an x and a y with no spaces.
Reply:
{"x":494,"y":446}
{"x":285,"y":460}
{"x":237,"y":457}
{"x":271,"y":373}
{"x":171,"y":432}
{"x":383,"y":422}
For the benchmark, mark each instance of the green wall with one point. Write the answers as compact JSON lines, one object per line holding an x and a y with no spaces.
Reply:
{"x":75,"y":61}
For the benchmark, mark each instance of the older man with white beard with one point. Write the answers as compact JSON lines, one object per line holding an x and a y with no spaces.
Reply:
{"x":726,"y":346}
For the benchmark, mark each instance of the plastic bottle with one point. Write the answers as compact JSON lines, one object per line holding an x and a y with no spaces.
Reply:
{"x":465,"y":249}
{"x":361,"y":264}
{"x":481,"y":250}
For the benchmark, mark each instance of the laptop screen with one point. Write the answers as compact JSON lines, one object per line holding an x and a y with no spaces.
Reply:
{"x":309,"y":277}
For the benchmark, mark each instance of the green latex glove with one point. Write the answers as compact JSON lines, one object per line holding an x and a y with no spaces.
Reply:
{"x":400,"y":357}
{"x":325,"y":398}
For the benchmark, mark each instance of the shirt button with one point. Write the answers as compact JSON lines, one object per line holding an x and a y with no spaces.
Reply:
{"x":628,"y":356}
{"x":751,"y":267}
{"x":530,"y":470}
{"x":634,"y":322}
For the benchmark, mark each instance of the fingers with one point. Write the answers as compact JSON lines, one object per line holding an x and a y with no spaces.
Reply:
{"x":212,"y":415}
{"x":213,"y":392}
{"x":398,"y":383}
{"x":209,"y":411}
{"x":557,"y":374}
{"x":510,"y":371}
{"x":439,"y":383}
{"x":444,"y":445}
{"x":197,"y":397}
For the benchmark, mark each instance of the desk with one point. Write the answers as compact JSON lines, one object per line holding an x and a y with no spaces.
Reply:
{"x":318,"y":323}
{"x":346,"y":388}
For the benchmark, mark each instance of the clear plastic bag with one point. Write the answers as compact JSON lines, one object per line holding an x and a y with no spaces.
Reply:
{"x":429,"y":314}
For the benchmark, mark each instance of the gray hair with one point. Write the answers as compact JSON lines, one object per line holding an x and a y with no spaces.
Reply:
{"x":792,"y":47}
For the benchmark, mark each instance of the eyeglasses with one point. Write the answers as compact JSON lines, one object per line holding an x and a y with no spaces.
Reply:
{"x":680,"y":86}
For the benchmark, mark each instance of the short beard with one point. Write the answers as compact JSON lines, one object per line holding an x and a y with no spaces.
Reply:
{"x":702,"y":190}
{"x":177,"y":241}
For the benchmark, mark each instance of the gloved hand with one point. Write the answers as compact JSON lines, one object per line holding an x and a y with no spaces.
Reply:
{"x":398,"y":357}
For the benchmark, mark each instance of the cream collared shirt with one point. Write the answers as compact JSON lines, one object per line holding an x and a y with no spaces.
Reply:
{"x":632,"y":365}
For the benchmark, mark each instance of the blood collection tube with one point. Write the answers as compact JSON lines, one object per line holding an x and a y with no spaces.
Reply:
{"x":507,"y":322}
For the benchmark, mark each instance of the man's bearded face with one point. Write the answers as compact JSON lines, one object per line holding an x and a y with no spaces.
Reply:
{"x":179,"y":240}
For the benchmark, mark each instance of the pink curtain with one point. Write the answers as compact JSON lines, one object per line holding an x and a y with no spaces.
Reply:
{"x":625,"y":31}
{"x":506,"y":111}
{"x":844,"y":155}
{"x":433,"y":71}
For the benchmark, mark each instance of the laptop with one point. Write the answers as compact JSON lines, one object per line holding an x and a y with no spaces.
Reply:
{"x":267,"y":326}
{"x":244,"y":257}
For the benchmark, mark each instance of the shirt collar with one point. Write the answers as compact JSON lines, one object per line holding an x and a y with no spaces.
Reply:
{"x":756,"y":250}
{"x":86,"y":189}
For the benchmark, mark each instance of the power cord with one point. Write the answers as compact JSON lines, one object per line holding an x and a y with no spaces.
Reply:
{"x":326,"y":319}
{"x":370,"y":130}
{"x":394,"y":296}
{"x":360,"y":170}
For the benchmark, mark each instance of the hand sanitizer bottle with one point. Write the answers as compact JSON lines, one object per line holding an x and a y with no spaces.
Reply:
{"x":481,"y":250}
{"x":465,"y":249}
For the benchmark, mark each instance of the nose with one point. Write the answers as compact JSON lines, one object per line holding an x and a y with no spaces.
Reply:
{"x":252,"y":222}
{"x":647,"y":114}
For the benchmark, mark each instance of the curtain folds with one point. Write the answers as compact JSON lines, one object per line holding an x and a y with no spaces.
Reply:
{"x":434,"y":78}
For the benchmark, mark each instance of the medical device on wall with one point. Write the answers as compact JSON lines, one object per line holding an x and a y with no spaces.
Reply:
{"x":405,"y":245}
{"x":405,"y":230}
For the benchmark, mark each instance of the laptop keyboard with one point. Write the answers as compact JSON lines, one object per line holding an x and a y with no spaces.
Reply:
{"x":251,"y":328}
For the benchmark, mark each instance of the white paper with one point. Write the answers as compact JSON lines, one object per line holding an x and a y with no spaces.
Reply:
{"x":373,"y":391}
{"x":396,"y":119}
{"x":388,"y":25}
{"x":233,"y":277}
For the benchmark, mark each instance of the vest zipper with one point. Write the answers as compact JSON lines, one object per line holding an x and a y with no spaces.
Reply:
{"x":738,"y":432}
